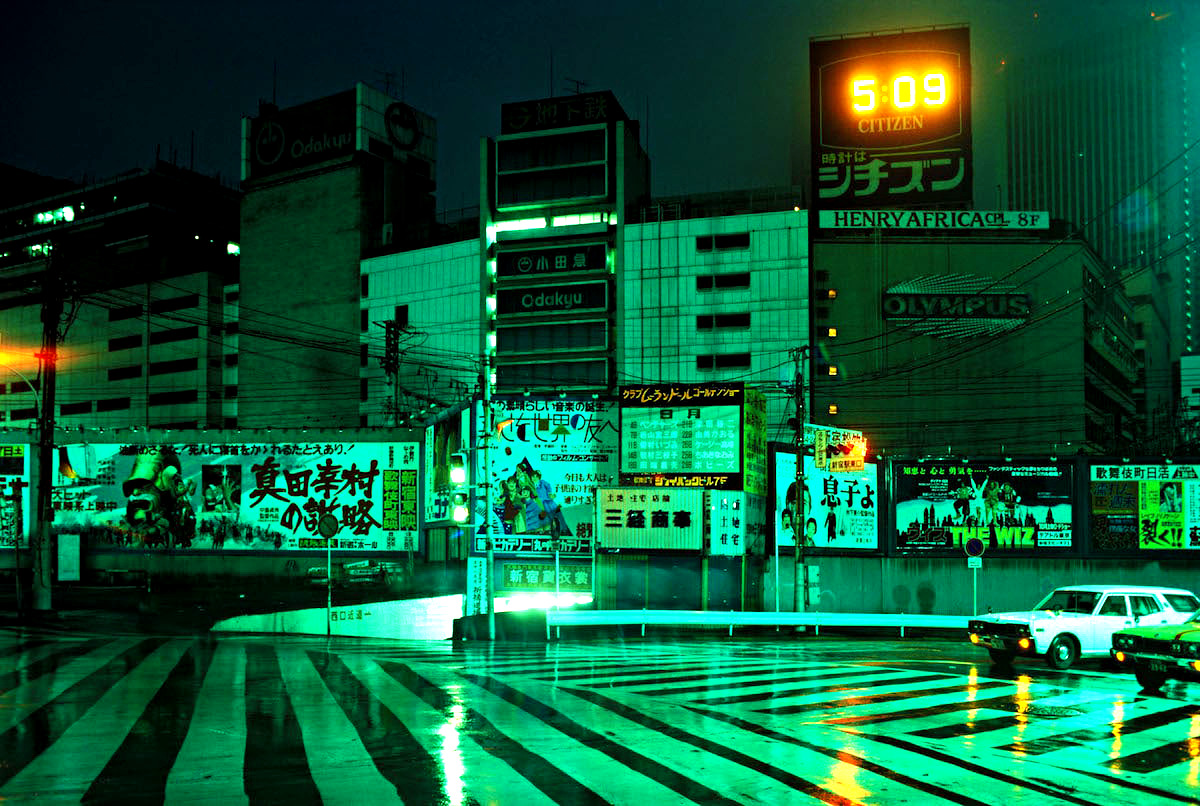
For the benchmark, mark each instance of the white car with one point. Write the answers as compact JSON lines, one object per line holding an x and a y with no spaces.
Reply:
{"x":1078,"y":621}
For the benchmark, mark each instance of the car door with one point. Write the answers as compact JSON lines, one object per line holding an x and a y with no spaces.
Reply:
{"x":1112,"y":614}
{"x":1147,"y":610}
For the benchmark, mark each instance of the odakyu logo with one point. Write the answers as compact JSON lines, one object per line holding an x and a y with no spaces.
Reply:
{"x":271,"y":144}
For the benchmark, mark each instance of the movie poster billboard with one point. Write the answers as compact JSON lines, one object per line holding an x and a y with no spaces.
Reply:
{"x":228,"y":497}
{"x":14,"y":496}
{"x":841,"y":510}
{"x":548,"y":457}
{"x":941,"y":504}
{"x":1147,"y":507}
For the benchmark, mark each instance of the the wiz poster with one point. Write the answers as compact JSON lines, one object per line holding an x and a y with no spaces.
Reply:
{"x":549,"y":456}
{"x":941,"y":504}
{"x":360,"y":496}
{"x":1148,"y":507}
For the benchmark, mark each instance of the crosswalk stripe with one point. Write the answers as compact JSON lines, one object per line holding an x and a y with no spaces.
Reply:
{"x":1124,"y":727}
{"x":208,"y":767}
{"x":274,"y":766}
{"x":537,"y":769}
{"x":728,"y":682}
{"x":460,"y":770}
{"x":38,"y":661}
{"x":340,"y":765}
{"x":21,"y":646}
{"x":77,"y":755}
{"x":887,"y":697}
{"x":839,"y":683}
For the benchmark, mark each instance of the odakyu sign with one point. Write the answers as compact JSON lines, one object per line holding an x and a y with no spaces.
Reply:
{"x":234,"y":496}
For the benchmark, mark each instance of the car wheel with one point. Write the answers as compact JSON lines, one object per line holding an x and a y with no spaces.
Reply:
{"x":1062,"y":653}
{"x":1148,"y":680}
{"x":1002,"y":657}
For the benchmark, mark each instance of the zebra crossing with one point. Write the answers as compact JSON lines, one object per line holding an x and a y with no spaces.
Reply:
{"x":154,"y":719}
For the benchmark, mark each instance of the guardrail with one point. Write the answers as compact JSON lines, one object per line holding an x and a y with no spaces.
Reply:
{"x":709,"y":618}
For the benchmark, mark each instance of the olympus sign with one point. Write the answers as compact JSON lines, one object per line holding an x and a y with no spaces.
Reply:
{"x":955,"y":305}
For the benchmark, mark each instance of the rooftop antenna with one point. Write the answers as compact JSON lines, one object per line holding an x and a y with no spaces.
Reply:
{"x":274,"y":80}
{"x":389,"y":76}
{"x":578,"y":83}
{"x":551,"y":73}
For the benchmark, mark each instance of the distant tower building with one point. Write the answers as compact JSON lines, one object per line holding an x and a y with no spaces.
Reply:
{"x":1102,"y":134}
{"x":327,"y":183}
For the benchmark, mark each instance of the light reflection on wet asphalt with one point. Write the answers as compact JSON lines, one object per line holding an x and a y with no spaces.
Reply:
{"x":773,"y":719}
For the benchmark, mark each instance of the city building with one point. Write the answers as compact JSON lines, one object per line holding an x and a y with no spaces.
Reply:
{"x":1102,"y":133}
{"x":144,"y":268}
{"x":326,"y":183}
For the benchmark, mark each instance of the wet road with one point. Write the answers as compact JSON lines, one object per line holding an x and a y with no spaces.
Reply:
{"x":132,"y":718}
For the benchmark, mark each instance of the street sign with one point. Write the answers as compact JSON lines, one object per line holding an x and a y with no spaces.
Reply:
{"x":974,"y":549}
{"x":974,"y":562}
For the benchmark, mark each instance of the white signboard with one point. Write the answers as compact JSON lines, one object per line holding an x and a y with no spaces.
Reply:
{"x":935,"y":219}
{"x":736,"y":522}
{"x":651,"y":518}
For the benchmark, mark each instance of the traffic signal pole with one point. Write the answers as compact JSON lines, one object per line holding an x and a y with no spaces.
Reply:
{"x":799,"y":515}
{"x":52,"y":308}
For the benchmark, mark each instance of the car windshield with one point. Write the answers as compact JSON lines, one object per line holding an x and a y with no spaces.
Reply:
{"x":1069,"y":601}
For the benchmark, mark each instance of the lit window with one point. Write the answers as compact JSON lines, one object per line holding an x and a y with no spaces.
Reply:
{"x":832,"y":369}
{"x":833,"y":408}
{"x":832,"y":293}
{"x":833,"y":332}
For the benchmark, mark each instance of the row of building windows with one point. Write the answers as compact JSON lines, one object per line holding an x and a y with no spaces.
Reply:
{"x":723,"y":321}
{"x":156,"y":306}
{"x":711,"y":282}
{"x":734,"y":240}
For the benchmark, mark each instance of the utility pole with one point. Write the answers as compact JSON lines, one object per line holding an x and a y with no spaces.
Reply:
{"x":486,"y":478}
{"x":799,"y":517}
{"x":52,"y":309}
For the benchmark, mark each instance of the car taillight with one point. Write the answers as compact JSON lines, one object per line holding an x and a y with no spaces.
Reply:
{"x":1120,"y":656}
{"x":974,"y":638}
{"x":1023,"y":643}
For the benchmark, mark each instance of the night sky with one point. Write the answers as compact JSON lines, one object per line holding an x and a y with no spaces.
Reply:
{"x":91,"y":89}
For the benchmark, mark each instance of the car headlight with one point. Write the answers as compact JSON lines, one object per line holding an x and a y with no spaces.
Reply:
{"x":974,"y":637}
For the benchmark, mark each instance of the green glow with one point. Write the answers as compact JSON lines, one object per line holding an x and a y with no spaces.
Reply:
{"x":491,"y":304}
{"x":61,"y":214}
{"x":575,"y":219}
{"x":491,"y":340}
{"x":540,"y":601}
{"x":491,"y":266}
{"x":232,"y":248}
{"x":520,"y":224}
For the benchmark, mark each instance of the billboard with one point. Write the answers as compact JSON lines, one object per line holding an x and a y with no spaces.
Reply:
{"x":940,"y":504}
{"x":682,"y":435}
{"x":891,"y":119}
{"x":547,"y":459}
{"x":841,"y":509}
{"x":284,"y":139}
{"x":1148,"y":507}
{"x":14,"y":496}
{"x":291,"y":496}
{"x":736,"y":523}
{"x":640,"y":518}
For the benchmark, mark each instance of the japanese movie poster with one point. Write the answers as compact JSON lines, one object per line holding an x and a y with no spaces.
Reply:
{"x":362,"y":496}
{"x":840,"y":510}
{"x":1149,"y":507}
{"x":941,"y":504}
{"x":14,"y":496}
{"x":549,"y":457}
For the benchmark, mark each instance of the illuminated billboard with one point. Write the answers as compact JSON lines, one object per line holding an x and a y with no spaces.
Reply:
{"x":549,"y":456}
{"x":682,"y":435}
{"x":941,"y":504}
{"x":14,"y":496}
{"x":228,"y":497}
{"x":891,"y":119}
{"x":640,"y":518}
{"x":1148,"y":507}
{"x":841,"y":509}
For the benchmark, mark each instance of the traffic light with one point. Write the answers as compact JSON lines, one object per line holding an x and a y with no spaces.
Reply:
{"x":460,"y":497}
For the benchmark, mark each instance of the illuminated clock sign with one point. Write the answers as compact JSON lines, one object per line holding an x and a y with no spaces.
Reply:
{"x":891,"y":122}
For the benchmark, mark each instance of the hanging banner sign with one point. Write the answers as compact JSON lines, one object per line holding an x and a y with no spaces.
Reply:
{"x":14,"y":496}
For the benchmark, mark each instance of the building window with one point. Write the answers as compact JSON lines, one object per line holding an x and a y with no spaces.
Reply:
{"x":124,"y":343}
{"x":833,"y":408}
{"x":704,"y":322}
{"x":231,"y":392}
{"x":125,"y":373}
{"x":709,"y":243}
{"x":174,"y":334}
{"x":362,"y":389}
{"x":831,"y":332}
{"x":364,"y":283}
{"x":24,"y":414}
{"x":231,"y":359}
{"x":76,"y":408}
{"x":362,"y":355}
{"x":831,"y":293}
{"x":19,"y":387}
{"x":401,"y":316}
{"x":363,"y":320}
{"x":174,"y":303}
{"x":174,"y":398}
{"x":733,"y":320}
{"x":167,"y":367}
{"x":112,"y":404}
{"x":723,"y":361}
{"x":709,"y":282}
{"x":125,"y":312}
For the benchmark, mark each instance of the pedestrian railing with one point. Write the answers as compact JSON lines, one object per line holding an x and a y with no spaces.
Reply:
{"x":730,"y":619}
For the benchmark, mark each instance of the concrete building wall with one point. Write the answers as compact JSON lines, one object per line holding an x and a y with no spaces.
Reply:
{"x":438,"y":288}
{"x":670,"y":282}
{"x":1017,"y":391}
{"x":299,"y":304}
